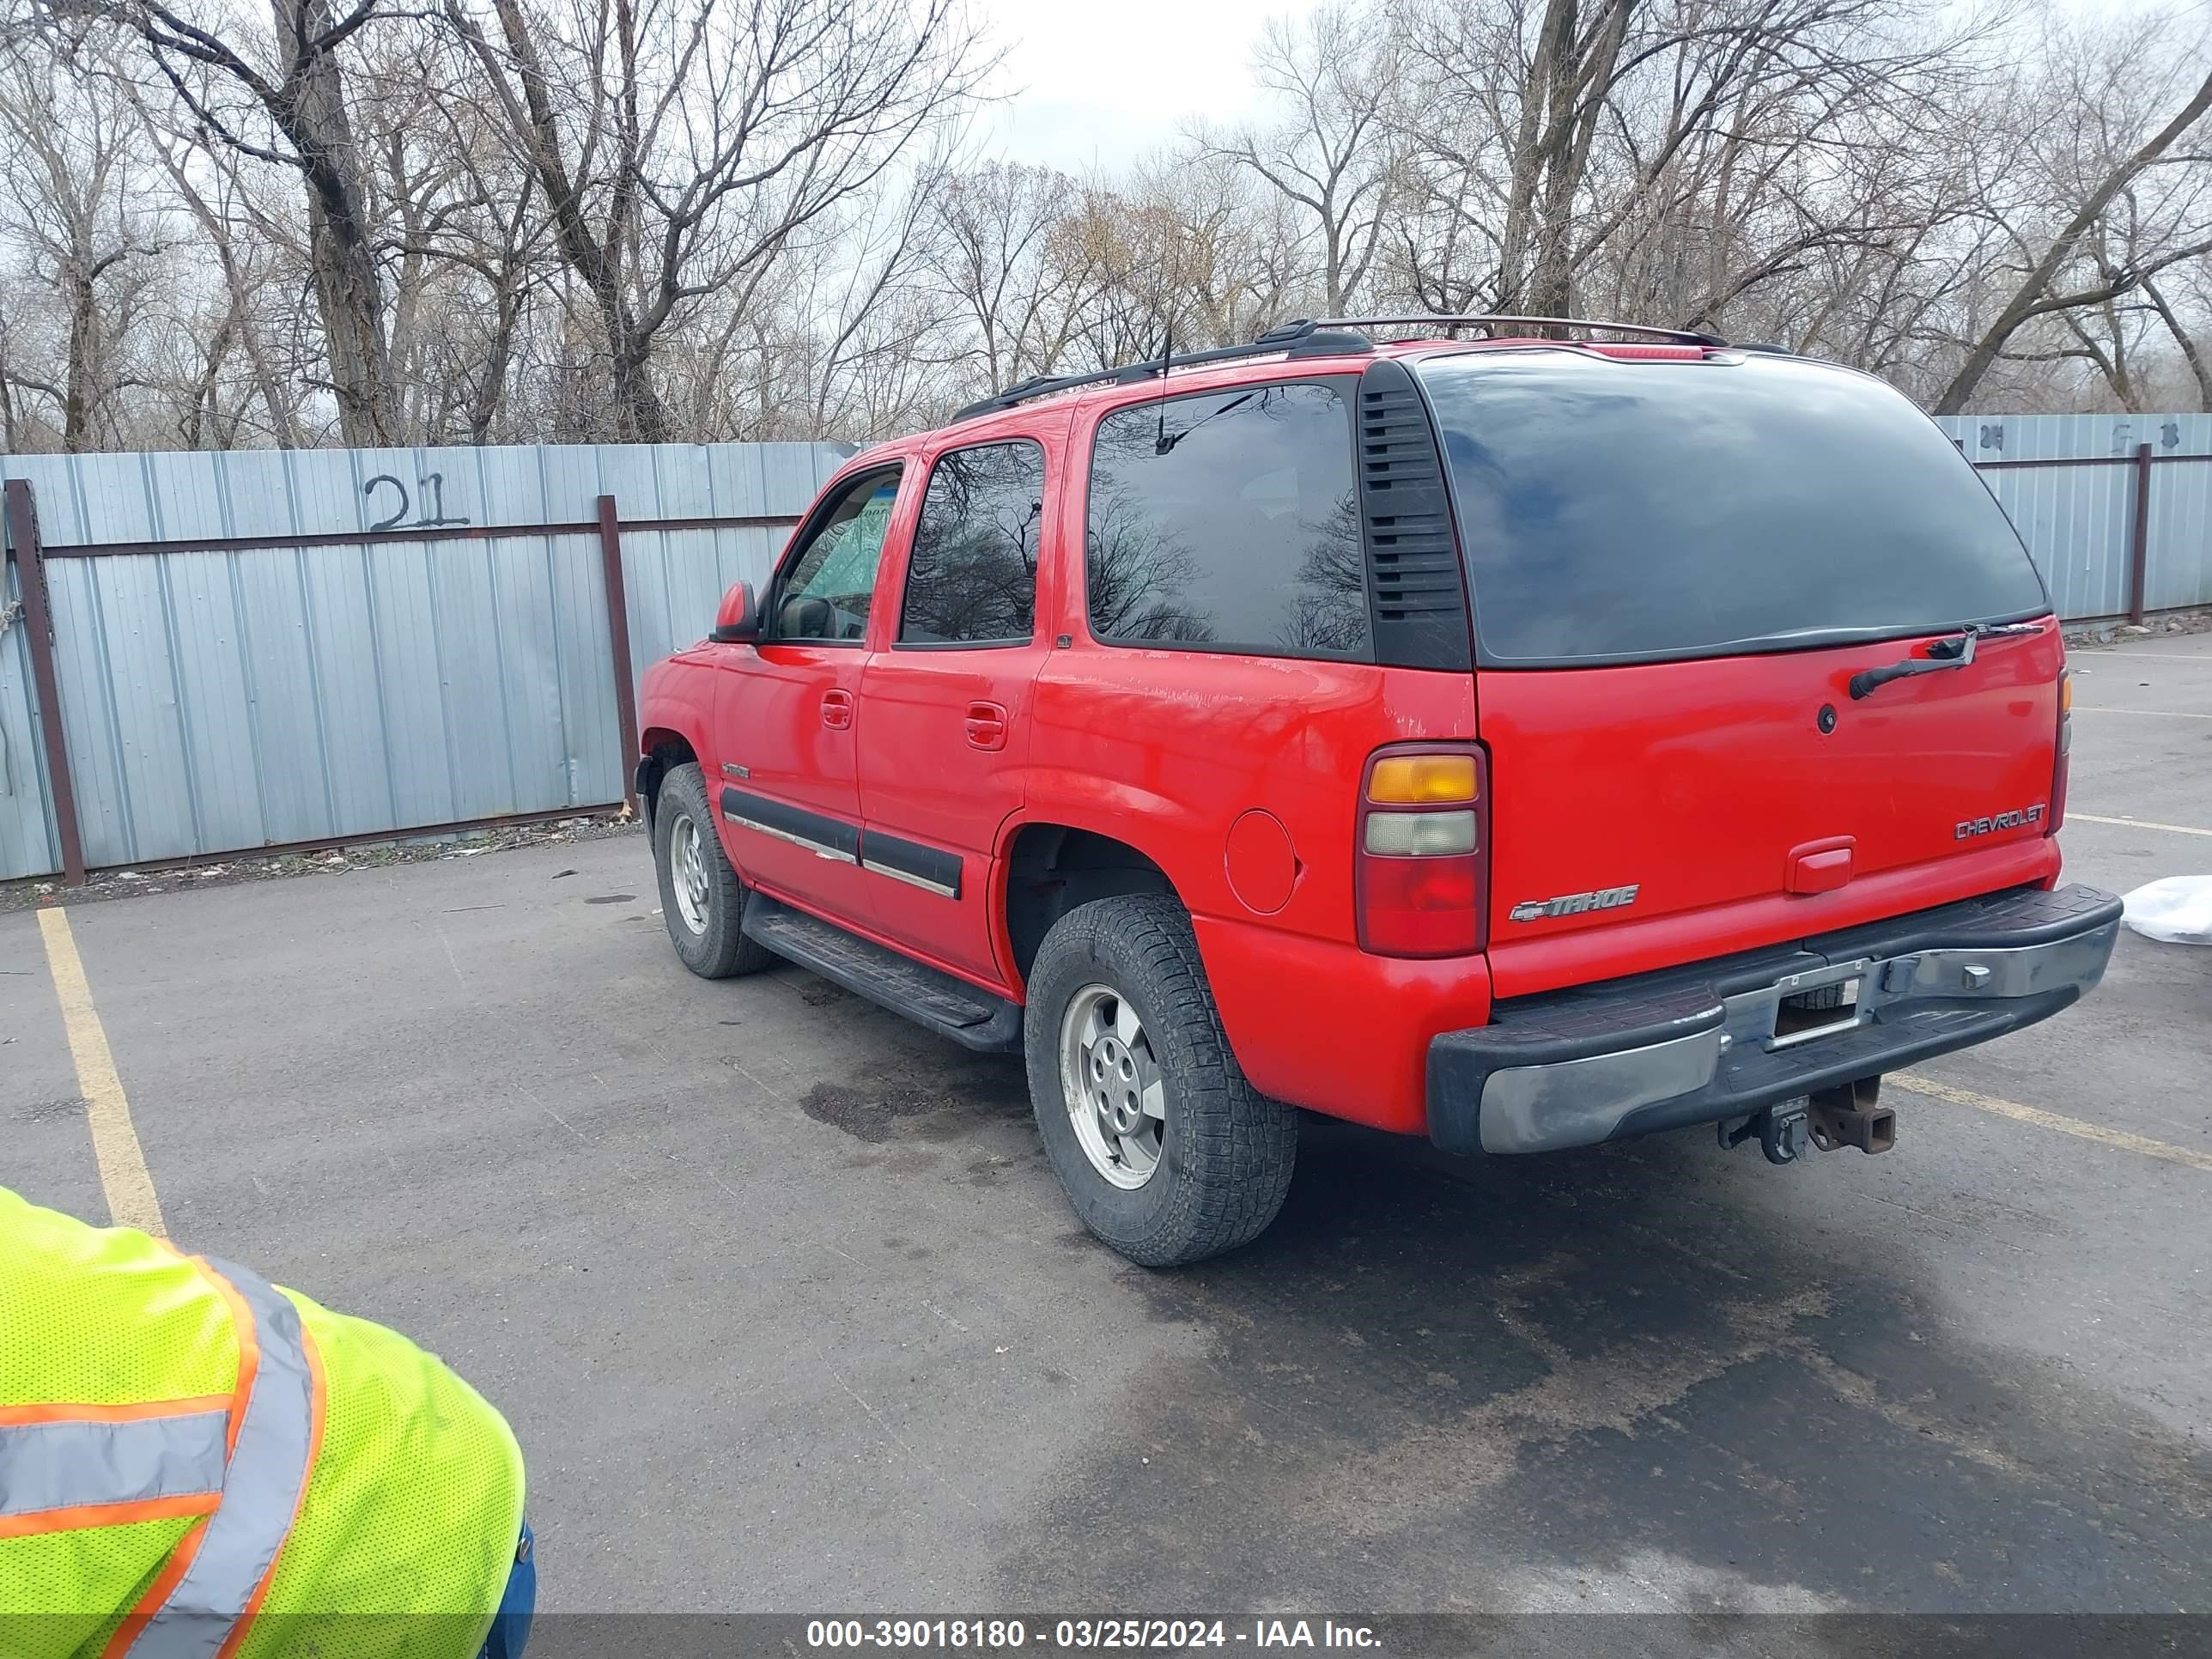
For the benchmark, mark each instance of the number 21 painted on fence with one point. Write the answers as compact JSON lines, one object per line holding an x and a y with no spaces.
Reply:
{"x":433,"y":486}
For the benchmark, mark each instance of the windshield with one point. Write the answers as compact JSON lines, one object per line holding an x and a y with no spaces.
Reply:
{"x":1629,"y":510}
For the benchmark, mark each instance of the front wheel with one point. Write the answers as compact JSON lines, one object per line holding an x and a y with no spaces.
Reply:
{"x":1166,"y":1152}
{"x":702,"y":899}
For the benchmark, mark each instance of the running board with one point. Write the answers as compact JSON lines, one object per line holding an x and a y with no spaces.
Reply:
{"x":950,"y":1007}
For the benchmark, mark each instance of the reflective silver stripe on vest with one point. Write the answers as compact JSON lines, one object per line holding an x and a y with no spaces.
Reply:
{"x":58,"y":1466}
{"x":260,"y":1492}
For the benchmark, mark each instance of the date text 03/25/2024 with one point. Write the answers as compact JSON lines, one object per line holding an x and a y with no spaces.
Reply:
{"x":1008,"y":1635}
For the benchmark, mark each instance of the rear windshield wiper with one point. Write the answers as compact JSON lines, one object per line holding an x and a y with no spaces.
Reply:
{"x":1955,"y":652}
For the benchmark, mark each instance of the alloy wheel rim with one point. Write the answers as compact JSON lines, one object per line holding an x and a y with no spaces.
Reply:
{"x":1115,"y":1092}
{"x":687,"y":861}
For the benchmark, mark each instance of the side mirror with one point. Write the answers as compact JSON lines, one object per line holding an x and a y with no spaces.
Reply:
{"x":738,"y":620}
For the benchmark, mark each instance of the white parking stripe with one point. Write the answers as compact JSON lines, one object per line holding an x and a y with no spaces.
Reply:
{"x":2163,"y":713}
{"x":2073,"y":817}
{"x":2142,"y":656}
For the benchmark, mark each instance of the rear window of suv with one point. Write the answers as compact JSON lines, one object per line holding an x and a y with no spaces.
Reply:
{"x":1644,"y":512}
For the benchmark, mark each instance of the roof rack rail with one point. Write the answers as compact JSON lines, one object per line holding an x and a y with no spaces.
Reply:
{"x":1307,"y":336}
{"x":1687,"y":336}
{"x":1303,"y":338}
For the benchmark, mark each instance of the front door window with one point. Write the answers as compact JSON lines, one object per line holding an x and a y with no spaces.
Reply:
{"x":825,"y":591}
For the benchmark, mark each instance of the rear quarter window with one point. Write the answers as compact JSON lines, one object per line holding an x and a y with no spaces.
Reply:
{"x":1228,"y":521}
{"x":1637,"y":511}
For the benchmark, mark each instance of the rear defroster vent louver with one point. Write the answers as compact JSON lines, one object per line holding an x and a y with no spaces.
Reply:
{"x":1416,"y":590}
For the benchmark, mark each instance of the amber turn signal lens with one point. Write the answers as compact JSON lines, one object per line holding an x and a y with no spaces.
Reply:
{"x":2065,"y":690}
{"x":1421,"y":780}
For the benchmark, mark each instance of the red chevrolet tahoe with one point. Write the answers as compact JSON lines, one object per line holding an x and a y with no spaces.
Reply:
{"x":1528,"y":742}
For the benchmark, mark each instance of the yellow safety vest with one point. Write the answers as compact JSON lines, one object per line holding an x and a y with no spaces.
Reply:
{"x":195,"y":1464}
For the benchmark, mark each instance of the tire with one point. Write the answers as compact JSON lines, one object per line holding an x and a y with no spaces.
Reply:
{"x":709,"y":940}
{"x":1223,"y":1151}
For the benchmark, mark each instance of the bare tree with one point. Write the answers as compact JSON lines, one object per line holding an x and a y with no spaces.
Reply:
{"x":2108,"y":158}
{"x":72,"y":197}
{"x":993,"y":250}
{"x":281,"y":100}
{"x":1239,"y":251}
{"x":1713,"y":141}
{"x":1334,"y":153}
{"x":592,"y":220}
{"x":249,"y":266}
{"x":682,"y":149}
{"x":2191,"y":350}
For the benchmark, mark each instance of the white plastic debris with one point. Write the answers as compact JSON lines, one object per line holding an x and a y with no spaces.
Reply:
{"x":2177,"y":909}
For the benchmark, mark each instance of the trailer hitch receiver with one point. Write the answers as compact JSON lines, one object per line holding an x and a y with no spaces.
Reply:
{"x":1849,"y":1116}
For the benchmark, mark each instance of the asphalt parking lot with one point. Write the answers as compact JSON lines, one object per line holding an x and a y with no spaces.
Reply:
{"x":789,"y":1315}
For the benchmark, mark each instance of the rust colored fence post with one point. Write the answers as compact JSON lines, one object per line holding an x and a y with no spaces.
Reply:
{"x":2139,"y":543}
{"x":618,"y":637}
{"x":38,"y":623}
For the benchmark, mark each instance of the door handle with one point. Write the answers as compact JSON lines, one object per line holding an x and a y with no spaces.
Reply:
{"x":836,"y":709}
{"x":987,"y":725}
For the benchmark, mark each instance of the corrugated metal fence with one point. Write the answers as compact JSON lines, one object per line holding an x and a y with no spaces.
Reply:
{"x":2098,"y":497}
{"x":271,"y":648}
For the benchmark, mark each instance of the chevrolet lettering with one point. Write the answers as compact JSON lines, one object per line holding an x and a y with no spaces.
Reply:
{"x":1966,"y":828}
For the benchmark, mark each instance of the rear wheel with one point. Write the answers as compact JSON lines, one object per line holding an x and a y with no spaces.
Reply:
{"x":702,"y":899}
{"x":1166,"y":1152}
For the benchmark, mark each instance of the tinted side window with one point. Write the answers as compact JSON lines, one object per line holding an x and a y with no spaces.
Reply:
{"x":826,"y":590}
{"x":1238,"y":528}
{"x":972,"y":578}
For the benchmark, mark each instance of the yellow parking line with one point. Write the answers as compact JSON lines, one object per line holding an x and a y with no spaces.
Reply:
{"x":130,"y":1188}
{"x":2142,"y":1145}
{"x":2136,"y":823}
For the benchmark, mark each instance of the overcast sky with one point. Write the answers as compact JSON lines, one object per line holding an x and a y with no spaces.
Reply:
{"x":1105,"y":81}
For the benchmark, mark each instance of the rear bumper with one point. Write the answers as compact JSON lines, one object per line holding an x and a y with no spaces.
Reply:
{"x":1692,"y":1045}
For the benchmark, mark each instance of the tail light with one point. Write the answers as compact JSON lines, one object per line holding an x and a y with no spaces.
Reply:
{"x":2057,"y":815}
{"x":1422,"y":859}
